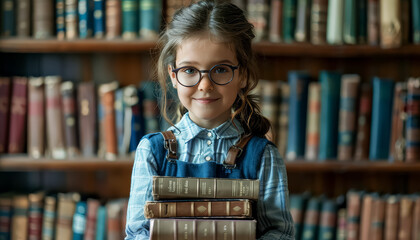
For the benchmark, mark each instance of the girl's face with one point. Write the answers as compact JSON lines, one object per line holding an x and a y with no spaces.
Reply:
{"x":209,"y":104}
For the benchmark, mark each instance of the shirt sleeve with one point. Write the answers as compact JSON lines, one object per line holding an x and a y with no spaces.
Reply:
{"x":137,"y":226}
{"x":273,"y":214}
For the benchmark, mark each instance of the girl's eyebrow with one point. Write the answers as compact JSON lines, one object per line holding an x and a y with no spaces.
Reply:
{"x":226,"y":61}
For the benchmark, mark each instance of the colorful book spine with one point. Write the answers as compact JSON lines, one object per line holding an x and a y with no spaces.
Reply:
{"x":114,"y":210}
{"x":378,"y":219}
{"x":298,"y":101}
{"x":397,"y":145}
{"x":70,"y":18}
{"x":129,"y":12}
{"x":79,"y":220}
{"x":133,"y":126}
{"x":43,"y":19}
{"x":258,"y":11}
{"x":150,"y":18}
{"x":60,"y":24}
{"x":66,"y":207}
{"x":348,"y":116}
{"x":99,"y":18}
{"x":380,"y":136}
{"x":350,"y":22}
{"x":390,"y":17}
{"x":8,"y":18}
{"x":119,"y":120}
{"x":18,"y":112}
{"x":297,"y":210}
{"x":335,"y":22}
{"x":312,"y":129}
{"x":199,"y":209}
{"x":101,"y":224}
{"x":327,"y":220}
{"x":85,"y":10}
{"x":283,"y":124}
{"x":275,"y":26}
{"x":366,"y":215}
{"x":112,"y":18}
{"x":373,"y":22}
{"x":54,"y":125}
{"x":5,"y":94}
{"x":354,"y":206}
{"x":269,"y":105}
{"x":202,"y":229}
{"x":392,"y":208}
{"x":5,"y":216}
{"x":318,"y":21}
{"x":35,"y":212}
{"x":48,"y":220}
{"x":68,"y":102}
{"x":91,"y":218}
{"x":311,"y":219}
{"x":302,"y":21}
{"x":289,"y":20}
{"x":151,"y":112}
{"x":330,"y":105}
{"x":107,"y":95}
{"x":36,"y":117}
{"x":19,"y":228}
{"x":361,"y":152}
{"x":175,"y":187}
{"x":415,"y":13}
{"x":86,"y":106}
{"x":413,"y":120}
{"x":23,"y":18}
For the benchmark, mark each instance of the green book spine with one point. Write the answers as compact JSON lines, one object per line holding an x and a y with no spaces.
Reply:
{"x":130,"y":21}
{"x":289,"y":20}
{"x":361,"y":17}
{"x":415,"y":8}
{"x":350,"y":22}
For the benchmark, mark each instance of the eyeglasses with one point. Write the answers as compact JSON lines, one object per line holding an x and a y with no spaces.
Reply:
{"x":220,"y":74}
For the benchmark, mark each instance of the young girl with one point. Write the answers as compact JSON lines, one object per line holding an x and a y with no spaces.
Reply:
{"x":206,"y":50}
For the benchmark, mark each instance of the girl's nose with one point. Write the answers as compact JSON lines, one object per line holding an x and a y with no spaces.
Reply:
{"x":205,"y":84}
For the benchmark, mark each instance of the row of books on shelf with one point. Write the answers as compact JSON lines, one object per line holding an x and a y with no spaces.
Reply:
{"x":71,"y":19}
{"x":63,"y":216}
{"x":340,"y":117}
{"x":357,"y":215}
{"x":388,"y":23}
{"x":64,"y":119}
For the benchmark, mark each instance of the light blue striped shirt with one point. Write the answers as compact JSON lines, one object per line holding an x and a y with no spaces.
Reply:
{"x":197,"y":145}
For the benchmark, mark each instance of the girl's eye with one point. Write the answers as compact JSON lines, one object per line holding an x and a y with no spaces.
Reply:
{"x":189,"y":70}
{"x":220,"y":69}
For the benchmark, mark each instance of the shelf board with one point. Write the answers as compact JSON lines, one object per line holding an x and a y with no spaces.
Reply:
{"x":22,"y":162}
{"x":29,"y":45}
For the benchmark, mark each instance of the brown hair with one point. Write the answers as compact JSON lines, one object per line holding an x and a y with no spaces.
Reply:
{"x":227,"y":23}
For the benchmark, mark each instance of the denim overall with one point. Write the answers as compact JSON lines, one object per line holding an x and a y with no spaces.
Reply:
{"x":247,"y":164}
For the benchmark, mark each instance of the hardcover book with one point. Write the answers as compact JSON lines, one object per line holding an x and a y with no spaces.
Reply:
{"x":297,"y":210}
{"x":363,"y":123}
{"x":258,"y":11}
{"x":35,"y":212}
{"x":48,"y":220}
{"x":377,"y":219}
{"x":289,"y":20}
{"x":312,"y":128}
{"x":366,"y":215}
{"x":23,"y":17}
{"x":71,"y":19}
{"x":79,"y":220}
{"x":177,"y":229}
{"x":415,"y":13}
{"x":134,"y":124}
{"x":405,"y":218}
{"x":130,"y":22}
{"x":5,"y":92}
{"x":150,"y":18}
{"x":397,"y":145}
{"x":86,"y":106}
{"x":60,"y":24}
{"x":68,"y":103}
{"x":112,"y":19}
{"x":373,"y":22}
{"x":36,"y":117}
{"x":66,"y":206}
{"x":19,"y":228}
{"x":190,"y":187}
{"x":327,"y":220}
{"x":18,"y":114}
{"x":283,"y":119}
{"x":85,"y":10}
{"x":350,"y":22}
{"x":413,"y":120}
{"x":354,"y":206}
{"x":302,"y":21}
{"x":91,"y":218}
{"x":318,"y":28}
{"x":101,"y":224}
{"x":199,"y":209}
{"x":390,"y":23}
{"x":8,"y":15}
{"x":335,"y":22}
{"x":99,"y":18}
{"x":6,"y":204}
{"x":275,"y":24}
{"x":311,"y":219}
{"x":43,"y":19}
{"x":392,"y":208}
{"x":151,"y":113}
{"x":269,"y":105}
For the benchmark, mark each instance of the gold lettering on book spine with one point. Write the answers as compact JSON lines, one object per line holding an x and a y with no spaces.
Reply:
{"x":18,"y":106}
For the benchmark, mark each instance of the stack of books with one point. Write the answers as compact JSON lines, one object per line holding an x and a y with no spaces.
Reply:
{"x":202,"y":208}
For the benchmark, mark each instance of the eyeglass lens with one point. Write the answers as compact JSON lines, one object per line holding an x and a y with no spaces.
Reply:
{"x":190,"y":76}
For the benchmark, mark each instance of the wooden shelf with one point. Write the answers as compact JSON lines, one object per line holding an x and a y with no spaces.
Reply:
{"x":19,"y":163}
{"x":361,"y":166}
{"x":28,"y":45}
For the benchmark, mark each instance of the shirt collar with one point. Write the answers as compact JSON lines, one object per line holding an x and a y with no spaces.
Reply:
{"x":188,"y":130}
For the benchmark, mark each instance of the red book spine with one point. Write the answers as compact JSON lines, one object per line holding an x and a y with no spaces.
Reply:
{"x":4,"y":111}
{"x":18,"y":112}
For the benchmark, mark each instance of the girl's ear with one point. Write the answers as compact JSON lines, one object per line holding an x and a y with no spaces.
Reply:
{"x":172,"y":75}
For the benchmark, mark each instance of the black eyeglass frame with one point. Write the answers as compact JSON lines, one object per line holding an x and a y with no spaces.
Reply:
{"x":208,"y":72}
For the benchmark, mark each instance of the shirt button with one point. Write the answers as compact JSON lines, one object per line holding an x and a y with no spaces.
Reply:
{"x":208,"y":158}
{"x":209,"y":134}
{"x":208,"y":142}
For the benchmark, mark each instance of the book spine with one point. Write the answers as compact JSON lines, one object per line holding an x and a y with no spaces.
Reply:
{"x":23,"y":18}
{"x":390,"y":17}
{"x":174,"y":229}
{"x":366,"y":216}
{"x":35,"y":211}
{"x":71,"y":19}
{"x":150,"y":18}
{"x":91,"y":218}
{"x":378,"y":219}
{"x":5,"y":216}
{"x":284,"y":118}
{"x":101,"y":224}
{"x":391,"y":217}
{"x":87,"y":118}
{"x":396,"y":150}
{"x":363,"y":123}
{"x":68,"y":102}
{"x":151,"y":111}
{"x":413,"y":120}
{"x":18,"y":112}
{"x":112,"y":19}
{"x":119,"y":120}
{"x":269,"y":101}
{"x":312,"y":129}
{"x":311,"y":220}
{"x":415,"y":13}
{"x":99,"y":18}
{"x":65,"y":211}
{"x":19,"y":228}
{"x":319,"y":13}
{"x":275,"y":26}
{"x":347,"y":116}
{"x":302,"y":21}
{"x":341,"y":233}
{"x":129,"y":11}
{"x":198,"y":209}
{"x":405,"y":218}
{"x":55,"y":128}
{"x":43,"y":19}
{"x":173,"y":187}
{"x":8,"y":18}
{"x":113,"y":220}
{"x":373,"y":22}
{"x":335,"y":22}
{"x":5,"y":91}
{"x":85,"y":10}
{"x":362,"y":21}
{"x":327,"y":221}
{"x":406,"y":21}
{"x":60,"y":19}
{"x":48,"y":220}
{"x":137,"y":121}
{"x":79,"y":221}
{"x":289,"y":20}
{"x":36,"y":117}
{"x":330,"y":104}
{"x":107,"y":95}
{"x":416,"y":218}
{"x":350,"y":22}
{"x":380,"y":135}
{"x":297,"y":210}
{"x":298,"y":101}
{"x":354,"y":200}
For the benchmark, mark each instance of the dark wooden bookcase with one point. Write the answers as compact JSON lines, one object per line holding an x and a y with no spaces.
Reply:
{"x":131,"y":61}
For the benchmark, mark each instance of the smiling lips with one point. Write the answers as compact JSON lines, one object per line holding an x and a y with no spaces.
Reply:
{"x":205,"y":100}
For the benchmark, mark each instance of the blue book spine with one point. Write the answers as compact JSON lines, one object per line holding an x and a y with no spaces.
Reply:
{"x":298,"y":102}
{"x":119,"y":120}
{"x":328,"y":226}
{"x":98,"y":19}
{"x":130,"y":22}
{"x":85,"y":18}
{"x":150,"y":18}
{"x":330,"y":106}
{"x":137,"y":124}
{"x":380,"y":135}
{"x":79,"y":221}
{"x":8,"y":18}
{"x":6,"y":218}
{"x":150,"y":107}
{"x":310,"y":228}
{"x":60,"y":19}
{"x":101,"y":223}
{"x":415,"y":9}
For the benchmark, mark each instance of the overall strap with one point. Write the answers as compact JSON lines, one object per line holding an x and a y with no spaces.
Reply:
{"x":170,"y":144}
